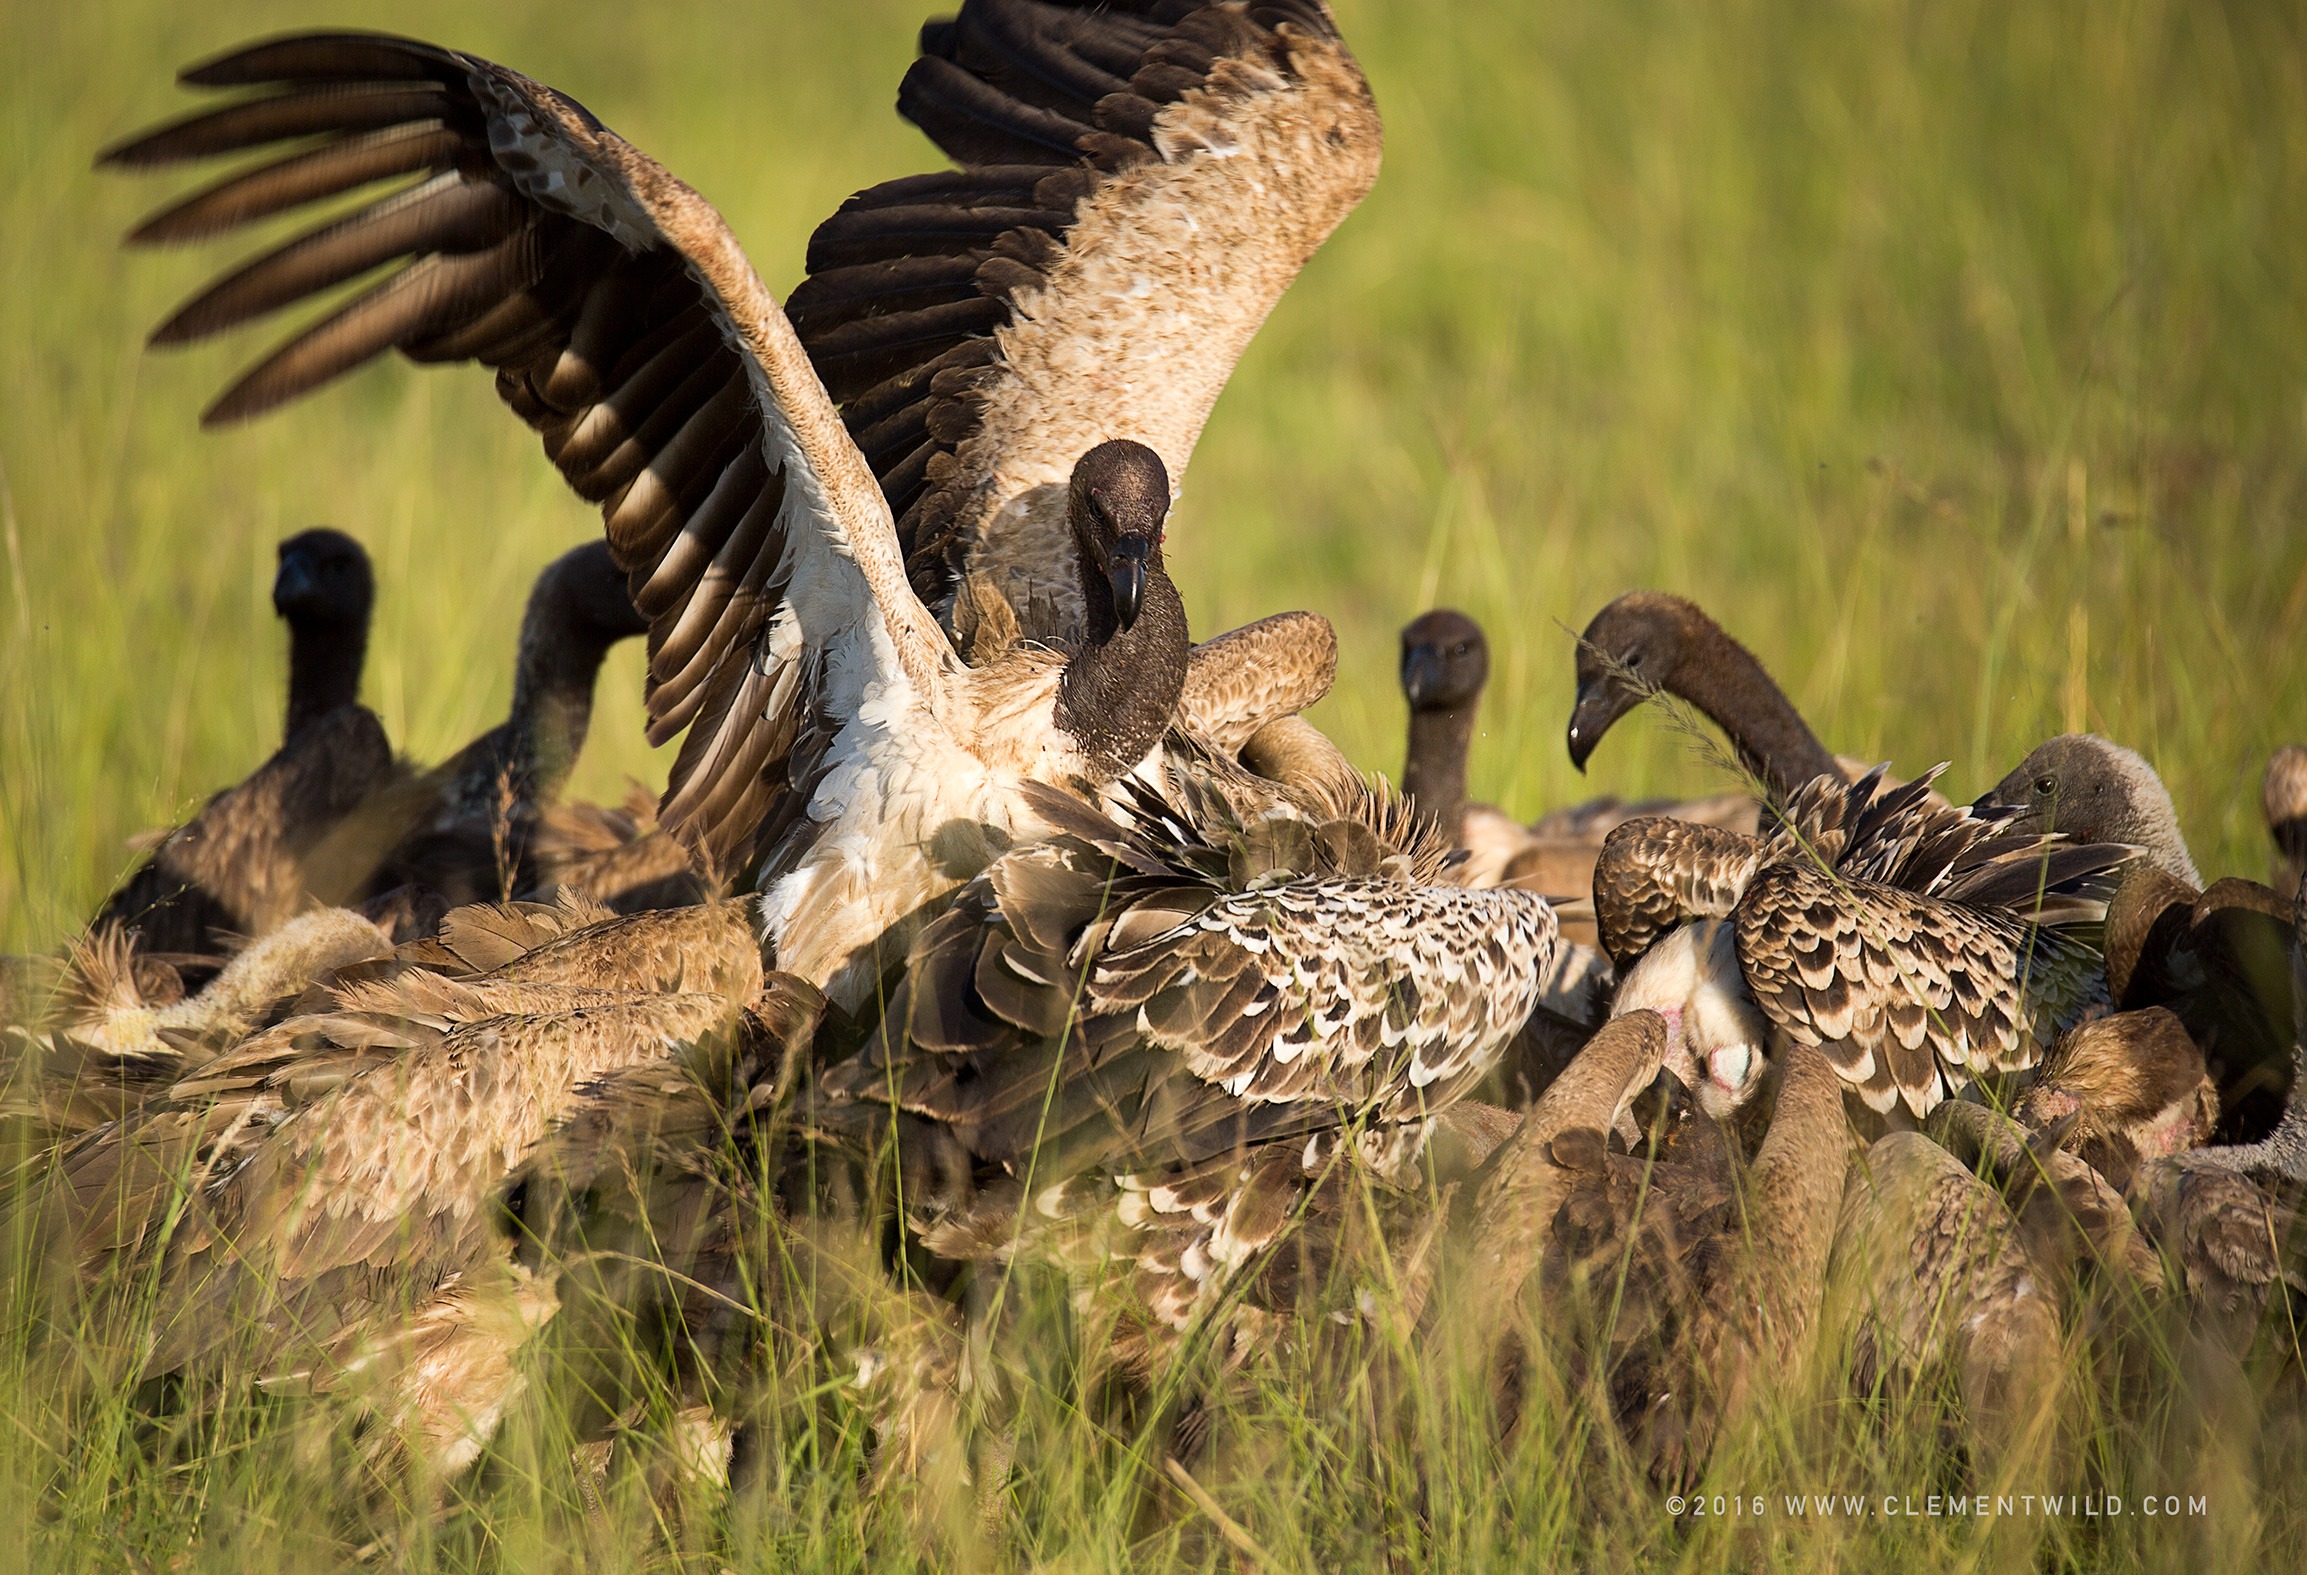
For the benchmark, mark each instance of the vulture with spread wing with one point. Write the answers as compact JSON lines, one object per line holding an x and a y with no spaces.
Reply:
{"x":967,"y":422}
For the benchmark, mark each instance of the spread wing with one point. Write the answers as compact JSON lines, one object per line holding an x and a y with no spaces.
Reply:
{"x":1909,"y":996}
{"x":1102,"y":998}
{"x":1140,"y":180}
{"x":626,"y":326}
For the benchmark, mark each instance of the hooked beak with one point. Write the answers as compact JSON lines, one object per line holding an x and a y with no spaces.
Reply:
{"x":293,"y":585}
{"x":1421,"y":675}
{"x":1125,"y":571}
{"x":1600,"y":703}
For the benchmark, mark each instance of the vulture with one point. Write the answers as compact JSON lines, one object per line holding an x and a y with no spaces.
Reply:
{"x":2221,"y":961}
{"x":1919,"y":945}
{"x":1445,"y":665}
{"x":1694,"y":1280}
{"x":2283,"y":797}
{"x":238,"y":867}
{"x":2137,"y":1086}
{"x":2283,"y":1152}
{"x":1181,"y":1020}
{"x":899,"y":542}
{"x":111,"y":1039}
{"x":466,"y":831}
{"x":329,"y":1185}
{"x":2097,"y":791}
{"x":1647,"y":642}
{"x":1944,"y":1286}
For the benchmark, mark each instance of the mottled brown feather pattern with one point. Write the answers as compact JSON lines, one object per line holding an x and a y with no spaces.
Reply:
{"x":1910,"y":997}
{"x":1655,"y":873}
{"x":1912,"y":940}
{"x":1253,"y":675}
{"x":1179,"y":1023}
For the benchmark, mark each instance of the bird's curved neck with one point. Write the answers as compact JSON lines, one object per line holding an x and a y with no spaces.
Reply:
{"x":1722,"y":679}
{"x":560,"y":662}
{"x":324,"y":666}
{"x":1119,"y":691}
{"x":1434,"y":773}
{"x":1795,"y":1186}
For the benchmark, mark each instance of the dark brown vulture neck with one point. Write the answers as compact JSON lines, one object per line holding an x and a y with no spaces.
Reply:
{"x":1434,"y":774}
{"x":325,"y":655}
{"x":325,"y":591}
{"x":1120,"y":691}
{"x":577,"y":611}
{"x":1722,"y":679}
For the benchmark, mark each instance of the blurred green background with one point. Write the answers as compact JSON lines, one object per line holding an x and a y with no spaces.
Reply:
{"x":1954,"y":354}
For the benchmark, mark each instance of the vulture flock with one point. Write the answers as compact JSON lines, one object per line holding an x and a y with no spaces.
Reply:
{"x":994,"y":928}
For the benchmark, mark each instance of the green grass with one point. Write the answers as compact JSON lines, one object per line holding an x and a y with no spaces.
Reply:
{"x":1954,"y":354}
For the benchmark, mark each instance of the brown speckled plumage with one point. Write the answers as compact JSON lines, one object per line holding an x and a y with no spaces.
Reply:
{"x":1911,"y":997}
{"x":1188,"y":1021}
{"x":1654,"y":874}
{"x":1912,"y":941}
{"x":2226,"y":1238}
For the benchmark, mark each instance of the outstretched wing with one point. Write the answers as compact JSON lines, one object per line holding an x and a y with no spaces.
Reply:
{"x":626,"y":326}
{"x":1140,"y":181}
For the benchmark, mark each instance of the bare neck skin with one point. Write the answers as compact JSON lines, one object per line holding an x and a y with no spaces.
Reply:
{"x":1722,"y":679}
{"x":324,"y":664}
{"x":1434,"y":775}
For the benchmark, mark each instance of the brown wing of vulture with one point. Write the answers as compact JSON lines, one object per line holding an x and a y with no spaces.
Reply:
{"x":1149,"y":995}
{"x":980,"y":329}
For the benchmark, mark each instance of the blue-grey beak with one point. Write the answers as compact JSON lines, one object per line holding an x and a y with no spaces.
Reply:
{"x":294,"y":585}
{"x":1421,"y":674}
